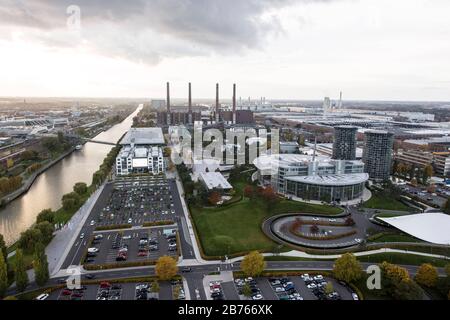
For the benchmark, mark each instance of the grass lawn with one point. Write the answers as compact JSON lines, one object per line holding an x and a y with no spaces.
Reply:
{"x":387,"y":203}
{"x":231,"y":229}
{"x":393,"y":238}
{"x":237,"y":228}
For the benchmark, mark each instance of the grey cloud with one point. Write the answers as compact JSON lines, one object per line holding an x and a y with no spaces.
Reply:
{"x":195,"y":27}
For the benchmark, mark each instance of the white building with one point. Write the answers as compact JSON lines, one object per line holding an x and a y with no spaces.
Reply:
{"x":214,"y":180}
{"x":313,"y":177}
{"x":141,"y":152}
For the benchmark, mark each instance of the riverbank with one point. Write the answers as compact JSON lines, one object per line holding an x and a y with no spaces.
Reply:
{"x":29,"y":182}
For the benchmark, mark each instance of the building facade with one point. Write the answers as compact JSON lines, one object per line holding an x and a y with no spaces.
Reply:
{"x":344,"y":146}
{"x":377,"y":154}
{"x":141,"y":152}
{"x":313,"y":178}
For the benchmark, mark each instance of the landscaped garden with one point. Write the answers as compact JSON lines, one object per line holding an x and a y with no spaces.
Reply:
{"x":236,"y":228}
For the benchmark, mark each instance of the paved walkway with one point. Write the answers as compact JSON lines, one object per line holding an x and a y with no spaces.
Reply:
{"x":64,"y":238}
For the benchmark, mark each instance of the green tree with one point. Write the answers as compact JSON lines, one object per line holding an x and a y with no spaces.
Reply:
{"x":427,"y":275}
{"x":329,"y":288}
{"x":40,"y":265}
{"x":246,"y":290}
{"x":3,"y":276}
{"x":46,"y":229}
{"x":80,"y":188}
{"x":347,"y":268}
{"x":46,"y":215}
{"x":29,"y":238}
{"x":20,"y":272}
{"x":3,"y":248}
{"x":253,"y":264}
{"x":155,"y":286}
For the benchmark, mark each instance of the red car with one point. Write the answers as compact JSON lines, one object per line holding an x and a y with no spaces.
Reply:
{"x":105,"y":284}
{"x":66,"y":292}
{"x":142,"y":253}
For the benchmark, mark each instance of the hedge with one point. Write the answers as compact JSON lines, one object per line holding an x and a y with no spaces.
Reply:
{"x":114,"y":226}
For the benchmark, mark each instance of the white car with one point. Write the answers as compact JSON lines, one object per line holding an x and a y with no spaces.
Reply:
{"x":355,"y":296}
{"x":130,"y":220}
{"x":82,"y":236}
{"x":279,"y":289}
{"x":332,"y":220}
{"x":311,"y":286}
{"x":318,"y":277}
{"x":316,"y":219}
{"x":257,"y":297}
{"x":305,"y":276}
{"x":92,"y":222}
{"x":126,"y":237}
{"x":92,"y":250}
{"x":43,"y":296}
{"x":358,"y":240}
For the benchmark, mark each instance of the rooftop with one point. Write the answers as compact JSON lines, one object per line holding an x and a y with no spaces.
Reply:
{"x":215,"y":180}
{"x":144,"y":136}
{"x":331,"y":179}
{"x":432,"y":227}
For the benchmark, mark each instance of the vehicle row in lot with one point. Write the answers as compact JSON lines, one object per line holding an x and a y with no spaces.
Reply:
{"x":285,"y":289}
{"x":251,"y":283}
{"x":108,"y":291}
{"x":216,"y":291}
{"x":318,"y":285}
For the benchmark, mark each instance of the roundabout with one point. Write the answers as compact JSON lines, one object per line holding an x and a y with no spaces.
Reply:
{"x":312,"y":231}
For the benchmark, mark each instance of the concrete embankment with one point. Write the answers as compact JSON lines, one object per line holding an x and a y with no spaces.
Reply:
{"x":29,"y":182}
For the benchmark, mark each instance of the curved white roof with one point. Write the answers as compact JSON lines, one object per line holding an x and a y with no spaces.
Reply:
{"x":332,"y":179}
{"x":432,"y":227}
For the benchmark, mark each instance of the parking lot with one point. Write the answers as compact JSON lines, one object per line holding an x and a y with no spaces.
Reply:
{"x":303,"y":287}
{"x":135,"y":201}
{"x":117,"y":291}
{"x":132,"y":245}
{"x":438,"y":198}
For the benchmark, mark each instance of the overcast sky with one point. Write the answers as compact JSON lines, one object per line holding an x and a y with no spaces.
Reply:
{"x":283,"y":49}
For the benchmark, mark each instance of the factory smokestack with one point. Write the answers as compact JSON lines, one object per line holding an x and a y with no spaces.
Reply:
{"x":190,"y":105}
{"x":217,"y":102}
{"x":168,"y":97}
{"x":190,"y":99}
{"x":234,"y":103}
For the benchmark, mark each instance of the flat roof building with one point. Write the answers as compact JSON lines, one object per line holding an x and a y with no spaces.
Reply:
{"x":143,"y":136}
{"x":214,"y":180}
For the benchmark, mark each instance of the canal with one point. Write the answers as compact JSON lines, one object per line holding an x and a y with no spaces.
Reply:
{"x":50,"y":186}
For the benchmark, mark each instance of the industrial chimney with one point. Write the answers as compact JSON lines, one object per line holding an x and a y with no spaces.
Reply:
{"x":217,"y":104}
{"x":234,"y":103}
{"x":169,"y":116}
{"x":190,"y":105}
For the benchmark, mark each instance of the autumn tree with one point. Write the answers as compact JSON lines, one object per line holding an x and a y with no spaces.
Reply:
{"x":248,"y":191}
{"x":427,"y":275}
{"x":253,"y":264}
{"x":214,"y":198}
{"x":397,"y":284}
{"x":347,"y":268}
{"x":166,"y":268}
